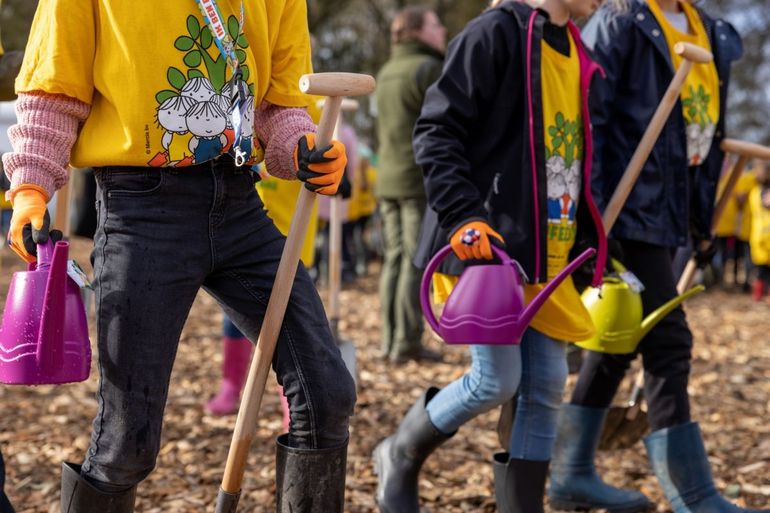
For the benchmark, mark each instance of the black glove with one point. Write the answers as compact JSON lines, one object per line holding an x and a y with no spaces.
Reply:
{"x":345,"y":189}
{"x":704,"y":251}
{"x":34,"y":237}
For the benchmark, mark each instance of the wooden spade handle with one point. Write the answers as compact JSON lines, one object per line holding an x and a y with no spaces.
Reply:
{"x":688,"y":275}
{"x":693,"y":53}
{"x":333,"y":85}
{"x":335,"y":240}
{"x":746,"y":149}
{"x":336,"y":84}
{"x":634,"y":168}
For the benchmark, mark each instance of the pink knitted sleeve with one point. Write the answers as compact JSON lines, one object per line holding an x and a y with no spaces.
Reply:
{"x":280,"y":128}
{"x":42,"y":139}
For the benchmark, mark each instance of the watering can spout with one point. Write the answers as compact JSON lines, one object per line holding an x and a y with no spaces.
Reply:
{"x":659,"y":313}
{"x":51,"y":337}
{"x":538,"y":301}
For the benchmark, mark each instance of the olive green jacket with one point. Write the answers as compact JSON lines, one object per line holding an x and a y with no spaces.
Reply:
{"x":401,"y":86}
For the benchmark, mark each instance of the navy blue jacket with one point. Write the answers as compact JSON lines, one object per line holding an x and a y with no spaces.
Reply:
{"x":669,"y":198}
{"x":480,"y":142}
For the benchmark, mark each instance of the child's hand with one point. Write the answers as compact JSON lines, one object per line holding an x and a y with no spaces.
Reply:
{"x":321,"y":170}
{"x":29,"y":210}
{"x":471,"y":241}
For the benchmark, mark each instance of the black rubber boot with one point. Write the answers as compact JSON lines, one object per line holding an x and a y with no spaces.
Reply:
{"x":80,"y":496}
{"x":5,"y":504}
{"x":309,"y":480}
{"x":519,"y":484}
{"x":680,"y":462}
{"x":575,"y":484}
{"x":398,"y":458}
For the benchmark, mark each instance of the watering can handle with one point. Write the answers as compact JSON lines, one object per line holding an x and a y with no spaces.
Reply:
{"x":45,"y":255}
{"x":439,"y":257}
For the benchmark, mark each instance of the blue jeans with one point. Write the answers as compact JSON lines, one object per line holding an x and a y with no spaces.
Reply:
{"x":229,"y":329}
{"x":162,"y":235}
{"x":536,"y":370}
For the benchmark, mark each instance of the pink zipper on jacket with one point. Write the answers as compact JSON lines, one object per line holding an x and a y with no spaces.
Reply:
{"x":587,"y":68}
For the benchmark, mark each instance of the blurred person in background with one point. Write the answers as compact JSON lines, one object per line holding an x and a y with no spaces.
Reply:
{"x":418,"y":41}
{"x":759,"y":205}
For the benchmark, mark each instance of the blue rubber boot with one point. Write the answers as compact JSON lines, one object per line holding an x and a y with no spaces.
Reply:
{"x":679,"y":460}
{"x":575,"y":485}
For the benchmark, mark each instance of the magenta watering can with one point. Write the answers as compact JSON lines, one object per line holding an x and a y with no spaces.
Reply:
{"x":44,"y":335}
{"x":487,"y":304}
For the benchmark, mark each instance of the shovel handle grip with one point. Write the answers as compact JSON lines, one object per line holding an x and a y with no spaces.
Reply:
{"x":693,"y":53}
{"x":337,"y":84}
{"x":746,"y":149}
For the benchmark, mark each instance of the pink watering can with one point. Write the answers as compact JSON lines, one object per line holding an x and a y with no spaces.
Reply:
{"x":487,"y":304}
{"x":44,"y":335}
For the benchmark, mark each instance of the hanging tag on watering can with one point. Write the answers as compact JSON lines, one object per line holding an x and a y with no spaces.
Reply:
{"x":77,"y":274}
{"x":632,"y":281}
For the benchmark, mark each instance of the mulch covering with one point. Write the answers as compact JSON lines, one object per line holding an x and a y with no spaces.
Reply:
{"x":40,"y":427}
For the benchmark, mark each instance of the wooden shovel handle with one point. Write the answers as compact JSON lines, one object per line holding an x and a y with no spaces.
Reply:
{"x":745,"y":149}
{"x":334,"y":85}
{"x":335,"y":238}
{"x":688,"y":275}
{"x":693,"y":53}
{"x":634,"y":168}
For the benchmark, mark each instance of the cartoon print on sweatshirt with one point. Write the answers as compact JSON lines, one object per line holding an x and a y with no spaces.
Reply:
{"x":564,"y":152}
{"x":207,"y":123}
{"x":200,"y":93}
{"x":172,"y":117}
{"x":700,"y":127}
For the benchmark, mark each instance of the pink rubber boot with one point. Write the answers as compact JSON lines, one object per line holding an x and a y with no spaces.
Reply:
{"x":235,"y":366}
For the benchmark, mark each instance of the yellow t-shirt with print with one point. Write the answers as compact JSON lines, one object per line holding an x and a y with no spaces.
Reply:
{"x":700,"y":94}
{"x":562,"y":316}
{"x":736,"y":218}
{"x":156,"y":80}
{"x":759,"y":241}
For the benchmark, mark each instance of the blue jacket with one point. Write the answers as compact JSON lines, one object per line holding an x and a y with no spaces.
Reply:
{"x":669,"y":198}
{"x":479,"y":140}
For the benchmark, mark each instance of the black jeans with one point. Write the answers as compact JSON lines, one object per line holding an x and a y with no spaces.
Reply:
{"x":5,"y":504}
{"x":666,"y":350}
{"x":162,"y":235}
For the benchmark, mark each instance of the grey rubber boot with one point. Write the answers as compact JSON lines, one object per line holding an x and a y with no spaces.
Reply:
{"x":575,"y":484}
{"x":80,"y":496}
{"x":679,"y":460}
{"x":398,"y":458}
{"x":519,"y":484}
{"x":309,"y":480}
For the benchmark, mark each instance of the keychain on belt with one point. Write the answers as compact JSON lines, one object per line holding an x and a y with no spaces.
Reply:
{"x":238,"y":89}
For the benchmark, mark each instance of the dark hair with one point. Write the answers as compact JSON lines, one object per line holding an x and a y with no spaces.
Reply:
{"x":407,"y":23}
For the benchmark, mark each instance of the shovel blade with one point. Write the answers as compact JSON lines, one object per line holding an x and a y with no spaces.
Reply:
{"x":348,"y":351}
{"x":623,"y":428}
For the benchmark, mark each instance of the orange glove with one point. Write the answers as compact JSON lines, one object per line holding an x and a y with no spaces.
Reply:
{"x":471,"y":241}
{"x":321,"y":170}
{"x":28,"y":209}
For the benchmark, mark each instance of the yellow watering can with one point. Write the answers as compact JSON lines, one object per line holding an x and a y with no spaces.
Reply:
{"x":616,"y":309}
